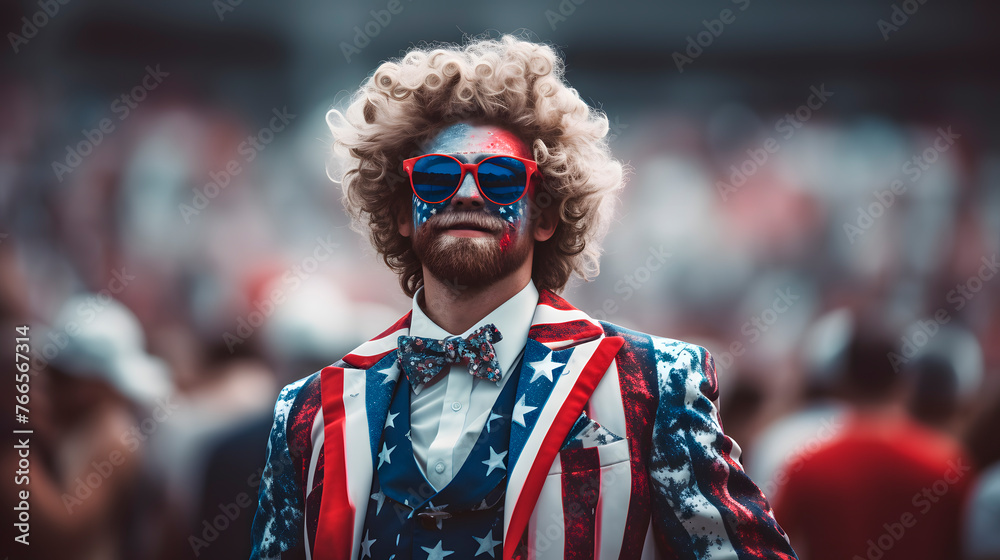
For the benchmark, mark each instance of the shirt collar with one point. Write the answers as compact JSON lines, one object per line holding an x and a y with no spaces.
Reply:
{"x":512,"y":319}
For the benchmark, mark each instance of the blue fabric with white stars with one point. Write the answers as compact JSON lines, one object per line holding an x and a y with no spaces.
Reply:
{"x":466,"y":515}
{"x":543,"y":368}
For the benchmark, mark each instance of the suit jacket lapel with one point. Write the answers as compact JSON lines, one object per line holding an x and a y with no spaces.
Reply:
{"x":571,"y":346}
{"x":355,"y":393}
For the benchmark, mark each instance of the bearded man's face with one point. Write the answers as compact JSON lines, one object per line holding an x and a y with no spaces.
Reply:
{"x":468,"y":239}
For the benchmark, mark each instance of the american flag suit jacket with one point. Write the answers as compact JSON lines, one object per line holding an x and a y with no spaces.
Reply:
{"x":670,"y":486}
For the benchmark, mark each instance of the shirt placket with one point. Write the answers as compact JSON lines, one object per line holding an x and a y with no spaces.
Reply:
{"x":454,"y":410}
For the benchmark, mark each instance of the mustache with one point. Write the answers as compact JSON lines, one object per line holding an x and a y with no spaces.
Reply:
{"x":467,"y":220}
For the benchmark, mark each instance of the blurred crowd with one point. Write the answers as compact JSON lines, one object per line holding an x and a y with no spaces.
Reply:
{"x":179,"y":265}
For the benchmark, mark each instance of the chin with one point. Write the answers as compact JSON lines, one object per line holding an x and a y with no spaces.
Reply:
{"x":473,"y":262}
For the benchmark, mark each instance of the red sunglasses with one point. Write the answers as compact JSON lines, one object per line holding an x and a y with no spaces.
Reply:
{"x":502,"y":180}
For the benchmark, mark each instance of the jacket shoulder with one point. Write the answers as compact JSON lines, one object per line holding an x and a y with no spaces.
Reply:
{"x":669,"y":348}
{"x":676,"y":361}
{"x":295,"y":396}
{"x":294,"y":413}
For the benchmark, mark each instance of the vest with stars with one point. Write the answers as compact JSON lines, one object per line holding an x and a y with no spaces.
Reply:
{"x":408,"y":519}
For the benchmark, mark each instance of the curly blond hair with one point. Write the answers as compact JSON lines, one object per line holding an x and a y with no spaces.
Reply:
{"x":507,"y":82}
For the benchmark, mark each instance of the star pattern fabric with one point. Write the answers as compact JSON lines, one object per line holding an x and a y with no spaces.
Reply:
{"x":422,"y":359}
{"x":533,"y":390}
{"x":487,"y":544}
{"x":408,"y":518}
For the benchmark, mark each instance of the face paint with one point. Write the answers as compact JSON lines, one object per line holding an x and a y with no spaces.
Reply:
{"x":502,"y":236}
{"x":464,"y":138}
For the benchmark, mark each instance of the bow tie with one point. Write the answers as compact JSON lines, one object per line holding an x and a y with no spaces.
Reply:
{"x":421,"y":359}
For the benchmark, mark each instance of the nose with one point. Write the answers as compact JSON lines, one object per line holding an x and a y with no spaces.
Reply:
{"x":468,"y":196}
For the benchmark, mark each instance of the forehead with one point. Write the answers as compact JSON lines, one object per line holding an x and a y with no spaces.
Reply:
{"x":465,"y":138}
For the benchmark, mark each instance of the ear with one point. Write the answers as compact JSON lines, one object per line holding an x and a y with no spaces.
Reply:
{"x":548,"y":219}
{"x":404,"y":221}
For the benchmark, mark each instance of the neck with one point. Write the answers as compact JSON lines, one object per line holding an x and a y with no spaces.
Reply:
{"x":457,"y":308}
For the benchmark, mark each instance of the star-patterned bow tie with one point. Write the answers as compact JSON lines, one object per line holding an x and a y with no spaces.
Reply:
{"x":421,"y":359}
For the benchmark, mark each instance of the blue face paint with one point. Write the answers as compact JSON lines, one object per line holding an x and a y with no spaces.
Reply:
{"x":423,"y":211}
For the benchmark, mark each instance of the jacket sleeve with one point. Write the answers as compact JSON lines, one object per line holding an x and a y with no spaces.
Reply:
{"x":278,"y":525}
{"x":704,"y":505}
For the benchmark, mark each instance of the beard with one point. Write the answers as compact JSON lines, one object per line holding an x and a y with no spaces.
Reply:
{"x":473,"y":262}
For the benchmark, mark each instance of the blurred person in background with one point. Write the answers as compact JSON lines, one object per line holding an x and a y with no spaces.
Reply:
{"x":77,"y":423}
{"x":296,"y":338}
{"x":945,"y":380}
{"x":885,"y":487}
{"x":981,"y":536}
{"x":608,"y":436}
{"x":935,"y":392}
{"x":95,"y":404}
{"x":781,"y":447}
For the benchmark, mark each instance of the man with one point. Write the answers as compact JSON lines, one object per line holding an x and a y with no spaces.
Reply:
{"x":912,"y":480}
{"x":496,"y":420}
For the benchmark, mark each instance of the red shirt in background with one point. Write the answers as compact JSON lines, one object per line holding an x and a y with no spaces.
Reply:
{"x":886,"y":488}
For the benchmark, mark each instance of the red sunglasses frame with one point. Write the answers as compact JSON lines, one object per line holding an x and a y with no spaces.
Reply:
{"x":530,"y":166}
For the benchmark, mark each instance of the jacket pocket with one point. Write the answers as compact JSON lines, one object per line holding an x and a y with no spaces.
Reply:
{"x":580,"y":459}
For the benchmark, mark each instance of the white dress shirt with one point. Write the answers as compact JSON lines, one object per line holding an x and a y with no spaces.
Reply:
{"x":449,"y":412}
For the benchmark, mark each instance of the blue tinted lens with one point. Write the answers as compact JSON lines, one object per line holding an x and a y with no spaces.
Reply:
{"x":435,"y":178}
{"x":503,"y":179}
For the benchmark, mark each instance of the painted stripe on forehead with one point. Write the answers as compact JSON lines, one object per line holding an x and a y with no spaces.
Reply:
{"x":463,"y":138}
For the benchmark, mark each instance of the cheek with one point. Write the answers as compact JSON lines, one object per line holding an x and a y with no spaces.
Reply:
{"x":423,"y":211}
{"x":516,"y":216}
